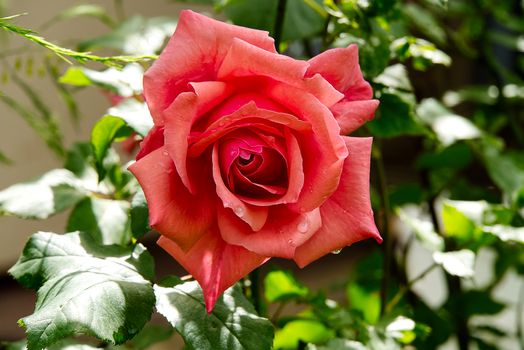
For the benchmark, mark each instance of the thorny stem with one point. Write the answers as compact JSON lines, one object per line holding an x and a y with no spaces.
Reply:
{"x":388,"y":239}
{"x":279,"y":23}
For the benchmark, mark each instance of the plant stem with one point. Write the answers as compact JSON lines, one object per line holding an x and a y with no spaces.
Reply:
{"x":254,"y":278}
{"x":388,"y":239}
{"x":279,"y":23}
{"x":394,"y":301}
{"x":519,"y":313}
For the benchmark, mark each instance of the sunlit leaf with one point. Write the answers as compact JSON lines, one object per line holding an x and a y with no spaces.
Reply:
{"x":233,"y":323}
{"x":135,"y":114}
{"x":84,"y":288}
{"x":457,"y":263}
{"x":49,"y":194}
{"x":308,"y":331}
{"x":448,"y":126}
{"x":281,"y":285}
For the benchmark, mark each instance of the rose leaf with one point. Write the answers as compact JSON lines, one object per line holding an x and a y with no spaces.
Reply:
{"x":49,"y":194}
{"x":281,"y":285}
{"x":233,"y":323}
{"x":84,"y":288}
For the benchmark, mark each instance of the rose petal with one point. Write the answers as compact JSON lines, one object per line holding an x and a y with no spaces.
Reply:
{"x":255,"y":216}
{"x":194,"y":53}
{"x":153,"y":141}
{"x":340,"y":67}
{"x":323,"y":90}
{"x":248,"y":115}
{"x":182,"y":114}
{"x":324,"y":147}
{"x":215,"y":264}
{"x":173,"y":211}
{"x":278,"y":238}
{"x":351,"y":115}
{"x":347,"y":216}
{"x":246,"y":60}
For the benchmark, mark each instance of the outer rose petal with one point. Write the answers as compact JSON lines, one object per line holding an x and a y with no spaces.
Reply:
{"x":215,"y":264}
{"x":346,"y":216}
{"x":278,"y":238}
{"x":193,"y":53}
{"x":350,"y":115}
{"x":173,"y":211}
{"x":340,"y":67}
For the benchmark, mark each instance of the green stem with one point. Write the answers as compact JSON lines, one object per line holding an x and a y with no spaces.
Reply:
{"x":256,"y":298}
{"x":520,"y":311}
{"x":401,"y":292}
{"x":388,"y":239}
{"x":279,"y":23}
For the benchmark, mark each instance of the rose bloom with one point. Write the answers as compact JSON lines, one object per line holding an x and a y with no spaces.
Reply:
{"x":247,"y":159}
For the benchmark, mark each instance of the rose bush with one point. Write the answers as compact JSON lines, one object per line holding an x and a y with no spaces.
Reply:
{"x":246,"y":160}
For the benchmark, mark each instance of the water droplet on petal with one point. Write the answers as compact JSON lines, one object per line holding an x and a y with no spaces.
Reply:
{"x":290,"y":241}
{"x":303,"y":226}
{"x":221,"y":123}
{"x":239,"y":211}
{"x":165,"y":153}
{"x":336,"y":251}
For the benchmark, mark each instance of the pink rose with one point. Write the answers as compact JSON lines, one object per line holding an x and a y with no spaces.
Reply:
{"x":246,"y":160}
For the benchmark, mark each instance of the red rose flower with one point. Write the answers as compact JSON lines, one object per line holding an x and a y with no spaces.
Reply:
{"x":246,"y":160}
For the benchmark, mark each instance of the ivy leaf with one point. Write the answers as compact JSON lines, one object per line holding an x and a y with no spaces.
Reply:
{"x":233,"y":323}
{"x":105,"y":131}
{"x":135,"y":114}
{"x":281,"y":285}
{"x":139,"y":215}
{"x":84,"y":288}
{"x":448,"y":126}
{"x":457,"y":263}
{"x":106,"y":220}
{"x":49,"y":194}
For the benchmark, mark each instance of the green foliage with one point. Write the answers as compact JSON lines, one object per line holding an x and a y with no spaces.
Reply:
{"x":84,"y":288}
{"x":281,"y":285}
{"x":233,"y":323}
{"x":49,"y":194}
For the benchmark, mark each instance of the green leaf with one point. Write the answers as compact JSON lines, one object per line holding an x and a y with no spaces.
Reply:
{"x":49,"y":194}
{"x":106,"y":220}
{"x":457,"y":263}
{"x":302,"y":19}
{"x":338,"y":344}
{"x":125,"y":82}
{"x":425,"y":22}
{"x":84,"y":288}
{"x":422,"y":226}
{"x":423,"y":53}
{"x":395,"y":77}
{"x":506,"y":233}
{"x":448,"y":126}
{"x":105,"y":131}
{"x":233,"y":323}
{"x":309,"y":331}
{"x":402,"y":329}
{"x":456,"y":156}
{"x":365,"y":299}
{"x":139,"y":215}
{"x":135,"y":36}
{"x":148,"y":336}
{"x":281,"y":285}
{"x":135,"y":114}
{"x":395,"y":116}
{"x":505,"y":169}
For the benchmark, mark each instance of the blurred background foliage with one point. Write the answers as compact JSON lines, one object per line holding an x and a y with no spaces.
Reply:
{"x":447,"y":173}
